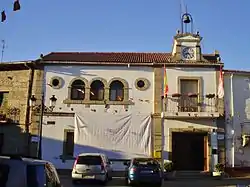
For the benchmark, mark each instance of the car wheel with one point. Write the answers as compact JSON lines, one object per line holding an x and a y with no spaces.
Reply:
{"x":128,"y":182}
{"x":74,"y":182}
{"x":158,"y":184}
{"x":109,"y":178}
{"x":105,"y":181}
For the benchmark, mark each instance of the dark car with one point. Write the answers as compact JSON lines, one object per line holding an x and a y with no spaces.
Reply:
{"x":143,"y":170}
{"x":18,"y":171}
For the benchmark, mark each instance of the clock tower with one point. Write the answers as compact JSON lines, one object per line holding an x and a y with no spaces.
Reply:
{"x":186,"y":46}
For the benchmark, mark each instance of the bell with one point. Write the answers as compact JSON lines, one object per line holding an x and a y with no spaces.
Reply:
{"x":16,"y":6}
{"x":186,"y":19}
{"x":3,"y":16}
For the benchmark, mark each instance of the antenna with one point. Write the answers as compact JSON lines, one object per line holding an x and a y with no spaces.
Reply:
{"x":181,"y":9}
{"x":186,"y":11}
{"x":3,"y":48}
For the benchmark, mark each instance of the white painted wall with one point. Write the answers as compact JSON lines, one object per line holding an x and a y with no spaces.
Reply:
{"x":108,"y":72}
{"x":52,"y":142}
{"x":237,"y":106}
{"x":208,"y":76}
{"x":53,"y":135}
{"x":184,"y":123}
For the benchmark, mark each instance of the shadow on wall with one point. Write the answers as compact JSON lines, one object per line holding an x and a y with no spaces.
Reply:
{"x":12,"y":139}
{"x":15,"y":142}
{"x":53,"y":151}
{"x":242,"y":103}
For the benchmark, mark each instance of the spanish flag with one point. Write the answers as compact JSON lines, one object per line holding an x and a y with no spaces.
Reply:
{"x":165,"y":83}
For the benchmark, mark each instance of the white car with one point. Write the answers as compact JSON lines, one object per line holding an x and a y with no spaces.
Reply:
{"x":18,"y":171}
{"x":92,"y":166}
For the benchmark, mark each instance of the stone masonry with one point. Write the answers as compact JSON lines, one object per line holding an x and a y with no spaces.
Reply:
{"x":157,"y":121}
{"x":16,"y":83}
{"x":37,"y":91}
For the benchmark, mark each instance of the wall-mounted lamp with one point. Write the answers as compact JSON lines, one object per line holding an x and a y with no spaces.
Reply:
{"x":42,"y":106}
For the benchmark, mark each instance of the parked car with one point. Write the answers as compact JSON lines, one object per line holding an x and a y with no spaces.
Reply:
{"x":143,"y":170}
{"x":92,"y":166}
{"x":18,"y":171}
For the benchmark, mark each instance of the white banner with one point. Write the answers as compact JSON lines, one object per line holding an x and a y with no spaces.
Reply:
{"x":118,"y":136}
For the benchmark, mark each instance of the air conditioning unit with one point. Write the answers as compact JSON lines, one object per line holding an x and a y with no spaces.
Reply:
{"x":245,"y":140}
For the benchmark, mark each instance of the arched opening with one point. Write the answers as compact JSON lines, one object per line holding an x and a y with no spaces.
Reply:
{"x":77,"y":90}
{"x":97,"y":90}
{"x":116,"y":91}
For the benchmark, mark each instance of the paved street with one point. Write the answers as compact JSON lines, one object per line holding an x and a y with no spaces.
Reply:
{"x":118,"y":182}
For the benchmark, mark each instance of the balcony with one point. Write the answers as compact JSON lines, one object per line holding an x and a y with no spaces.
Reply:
{"x":190,"y":106}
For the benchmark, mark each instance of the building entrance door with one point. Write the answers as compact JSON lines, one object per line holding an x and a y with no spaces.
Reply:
{"x":189,"y":151}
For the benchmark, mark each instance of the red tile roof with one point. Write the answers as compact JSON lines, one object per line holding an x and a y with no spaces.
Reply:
{"x":115,"y":57}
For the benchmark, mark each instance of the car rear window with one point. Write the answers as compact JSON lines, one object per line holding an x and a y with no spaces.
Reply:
{"x":4,"y":174}
{"x":89,"y":160}
{"x":35,"y":175}
{"x":146,"y":162}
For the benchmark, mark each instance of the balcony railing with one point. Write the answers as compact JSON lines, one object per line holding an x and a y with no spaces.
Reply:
{"x":191,"y":103}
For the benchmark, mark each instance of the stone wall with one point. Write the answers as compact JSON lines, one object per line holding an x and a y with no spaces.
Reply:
{"x":16,"y":83}
{"x":157,"y":121}
{"x":37,"y":91}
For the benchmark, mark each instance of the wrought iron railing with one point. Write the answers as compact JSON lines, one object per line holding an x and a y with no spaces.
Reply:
{"x":191,"y":103}
{"x":10,"y":114}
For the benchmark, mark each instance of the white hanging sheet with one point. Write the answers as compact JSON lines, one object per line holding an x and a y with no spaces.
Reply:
{"x":119,"y":136}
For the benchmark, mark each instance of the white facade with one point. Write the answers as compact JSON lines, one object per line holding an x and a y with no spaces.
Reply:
{"x":208,"y":76}
{"x":53,"y":135}
{"x":237,"y":107}
{"x":186,"y":120}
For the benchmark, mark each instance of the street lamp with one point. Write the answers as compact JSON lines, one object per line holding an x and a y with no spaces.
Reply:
{"x":41,"y":108}
{"x":37,"y":108}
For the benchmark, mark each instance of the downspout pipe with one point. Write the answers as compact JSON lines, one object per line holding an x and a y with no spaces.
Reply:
{"x":29,"y":93}
{"x":232,"y":114}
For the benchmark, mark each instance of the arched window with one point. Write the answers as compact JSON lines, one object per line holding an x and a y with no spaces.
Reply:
{"x":97,"y":90}
{"x":77,"y":90}
{"x":116,"y":91}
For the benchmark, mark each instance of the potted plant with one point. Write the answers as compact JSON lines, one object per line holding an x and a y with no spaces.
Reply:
{"x":218,"y":170}
{"x":210,"y":96}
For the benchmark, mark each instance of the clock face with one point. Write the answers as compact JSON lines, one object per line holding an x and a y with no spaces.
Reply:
{"x":188,"y":53}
